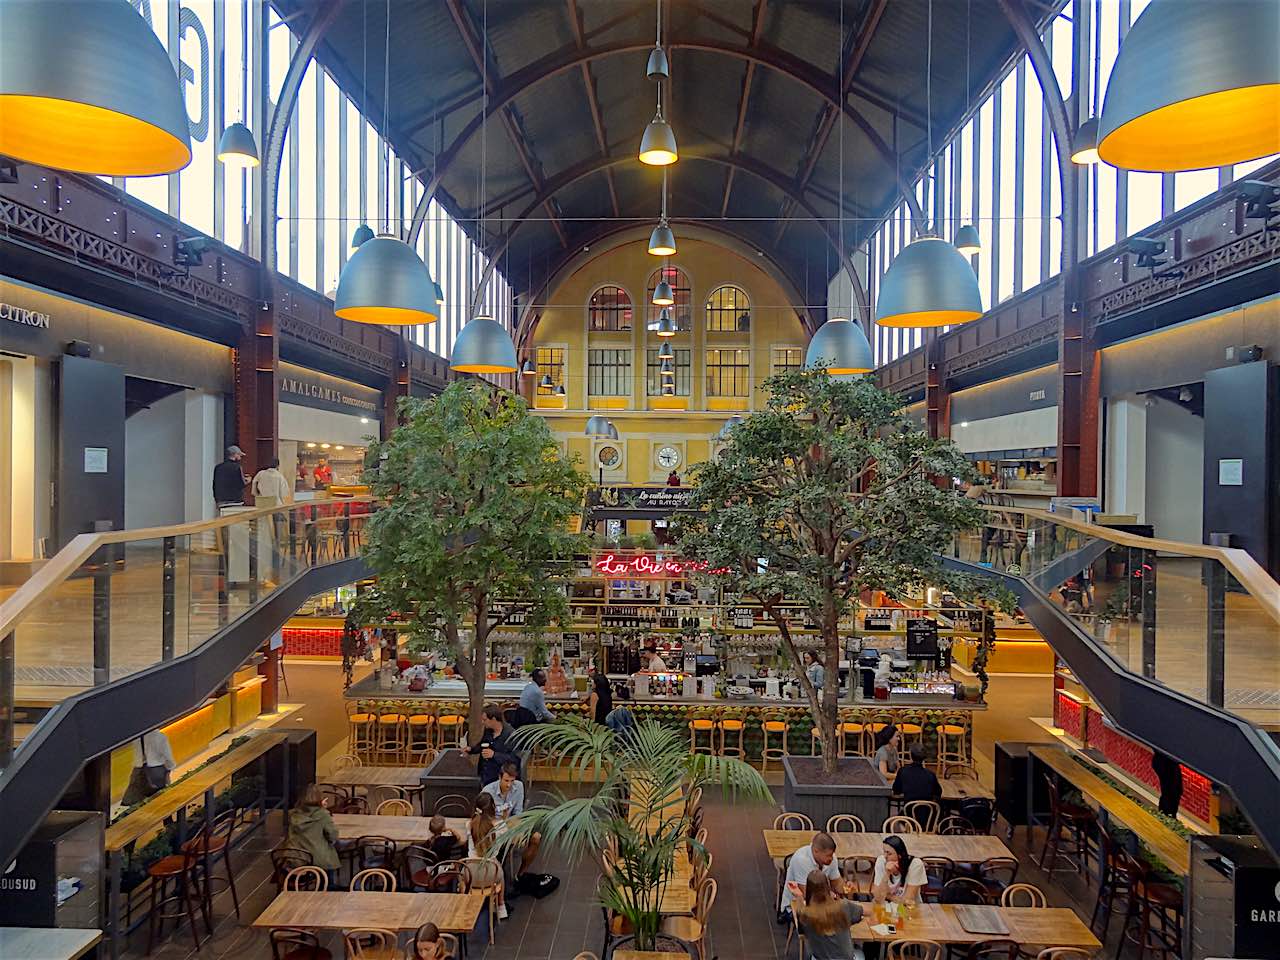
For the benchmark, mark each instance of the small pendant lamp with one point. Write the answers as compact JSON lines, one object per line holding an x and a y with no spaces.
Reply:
{"x":528,"y":369}
{"x":439,"y":293}
{"x":662,"y":242}
{"x":1195,"y":85}
{"x":597,"y":426}
{"x":665,"y":352}
{"x":86,"y":86}
{"x":723,"y":433}
{"x":1084,"y":145}
{"x":668,"y":390}
{"x":362,"y":235}
{"x":668,"y":370}
{"x":385,"y":282}
{"x":841,"y":346}
{"x":484,"y":346}
{"x":929,"y":284}
{"x":967,"y":240}
{"x":666,"y":326}
{"x":658,"y":145}
{"x":546,"y":382}
{"x":657,"y":68}
{"x":662,"y":295}
{"x":560,"y":390}
{"x":613,"y":431}
{"x":237,"y":148}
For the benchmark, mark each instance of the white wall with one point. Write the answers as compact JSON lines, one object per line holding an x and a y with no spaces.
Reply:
{"x":324,"y":426}
{"x":1125,"y":480}
{"x":1013,"y":431}
{"x":30,"y":440}
{"x":154,"y":472}
{"x":202,"y":452}
{"x":1175,"y":472}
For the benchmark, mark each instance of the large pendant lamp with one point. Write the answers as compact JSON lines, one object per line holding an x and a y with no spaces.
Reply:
{"x":666,"y":326}
{"x":967,"y":240}
{"x":386,"y":282}
{"x":662,"y":295}
{"x":597,"y":426}
{"x":237,"y":148}
{"x":484,"y":346}
{"x":1196,"y":85}
{"x":362,"y":235}
{"x":724,"y":431}
{"x":841,"y":346}
{"x":665,"y":352}
{"x":662,"y":242}
{"x":86,"y":86}
{"x":929,"y":284}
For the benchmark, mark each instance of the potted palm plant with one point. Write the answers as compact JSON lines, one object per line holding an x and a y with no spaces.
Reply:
{"x":636,"y":821}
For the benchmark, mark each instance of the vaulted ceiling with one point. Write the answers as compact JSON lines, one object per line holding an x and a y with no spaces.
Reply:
{"x":765,"y":153}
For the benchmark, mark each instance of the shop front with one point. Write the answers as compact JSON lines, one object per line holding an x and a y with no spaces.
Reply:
{"x":86,"y":391}
{"x":326,"y":424}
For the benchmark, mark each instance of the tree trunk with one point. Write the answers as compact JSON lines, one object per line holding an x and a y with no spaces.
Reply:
{"x":830,"y":689}
{"x":473,"y":677}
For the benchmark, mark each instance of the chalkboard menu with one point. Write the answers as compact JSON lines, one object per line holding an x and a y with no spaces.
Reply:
{"x":922,"y":638}
{"x":571,"y":645}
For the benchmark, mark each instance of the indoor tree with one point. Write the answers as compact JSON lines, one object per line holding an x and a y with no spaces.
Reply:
{"x":828,"y":492}
{"x":478,"y":506}
{"x":636,"y":820}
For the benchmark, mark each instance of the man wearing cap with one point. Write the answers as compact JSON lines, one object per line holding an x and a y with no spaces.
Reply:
{"x":229,"y":480}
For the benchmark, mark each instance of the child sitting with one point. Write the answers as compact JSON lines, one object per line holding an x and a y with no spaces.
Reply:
{"x":427,"y":944}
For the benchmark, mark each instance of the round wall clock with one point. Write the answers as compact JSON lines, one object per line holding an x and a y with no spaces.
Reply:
{"x":668,"y":457}
{"x":609,"y":456}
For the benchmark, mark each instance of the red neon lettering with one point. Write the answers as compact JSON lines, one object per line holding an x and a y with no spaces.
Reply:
{"x":647,"y":566}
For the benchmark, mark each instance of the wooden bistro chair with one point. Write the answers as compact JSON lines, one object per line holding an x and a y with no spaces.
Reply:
{"x":1064,"y":953}
{"x":845,"y":823}
{"x":453,"y":805}
{"x":997,"y":873}
{"x":485,"y":876}
{"x":371,"y":943}
{"x":954,"y":825}
{"x":213,"y":844}
{"x":858,"y":874}
{"x":913,"y":950}
{"x":372,"y":851}
{"x":694,"y":929}
{"x":395,"y":807}
{"x":184,"y":871}
{"x":449,"y":940}
{"x":1001,"y":949}
{"x":375,"y":879}
{"x":347,"y":761}
{"x":306,"y":878}
{"x":924,"y":812}
{"x":901,"y":825}
{"x":288,"y":943}
{"x":792,"y":821}
{"x":1023,"y":895}
{"x":937,"y":871}
{"x":285,"y":859}
{"x":773,"y":724}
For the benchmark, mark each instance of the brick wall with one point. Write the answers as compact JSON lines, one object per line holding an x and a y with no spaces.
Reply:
{"x":308,"y":642}
{"x":1068,"y":714}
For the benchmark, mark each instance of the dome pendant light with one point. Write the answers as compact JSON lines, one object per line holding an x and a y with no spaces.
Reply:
{"x":840,"y":346}
{"x":665,"y":352}
{"x":385,"y":282}
{"x":666,"y":326}
{"x":658,"y":68}
{"x":967,"y":240}
{"x":1084,"y":145}
{"x":597,"y":426}
{"x":1196,"y":85}
{"x":668,"y":390}
{"x":546,"y":382}
{"x":929,"y":284}
{"x":658,"y":145}
{"x":560,"y":390}
{"x":363,"y":234}
{"x":662,"y":242}
{"x":668,"y":370}
{"x":439,"y":293}
{"x":484,"y":346}
{"x":528,"y":369}
{"x":613,"y":431}
{"x":86,"y":86}
{"x":662,"y":295}
{"x":237,"y":148}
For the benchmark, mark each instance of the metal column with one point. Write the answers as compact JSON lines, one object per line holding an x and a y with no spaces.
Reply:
{"x":1215,"y":583}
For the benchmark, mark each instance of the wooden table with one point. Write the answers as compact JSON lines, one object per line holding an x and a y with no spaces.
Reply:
{"x":963,"y":788}
{"x":403,"y":830}
{"x":377,"y":777}
{"x":1041,"y":926}
{"x":46,"y":943}
{"x":641,"y":955}
{"x":1173,"y":849}
{"x":677,"y":899}
{"x":343,"y":910}
{"x":969,"y":849}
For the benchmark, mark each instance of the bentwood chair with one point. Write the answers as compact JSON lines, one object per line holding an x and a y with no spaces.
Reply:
{"x":913,"y":950}
{"x":284,"y":860}
{"x":288,"y":943}
{"x":1022,"y":895}
{"x":900,"y":825}
{"x":448,"y":939}
{"x":845,"y":823}
{"x":395,"y":807}
{"x":694,"y":929}
{"x":1064,"y":953}
{"x":924,"y":812}
{"x":347,"y":761}
{"x":376,"y":879}
{"x":306,"y":878}
{"x":792,"y":821}
{"x":485,"y":876}
{"x":993,"y":950}
{"x":371,"y":943}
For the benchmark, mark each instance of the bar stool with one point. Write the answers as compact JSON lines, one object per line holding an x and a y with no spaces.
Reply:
{"x":1073,"y":820}
{"x":852,"y":725}
{"x":360,"y":719}
{"x":872,"y":726}
{"x":420,"y":744}
{"x":729,"y":725}
{"x":773,"y":723}
{"x":953,"y":739}
{"x":701,"y":721}
{"x":1120,"y":878}
{"x":211,"y":844}
{"x":1154,"y":920}
{"x":910,"y":730}
{"x":184,"y":870}
{"x":451,"y":728}
{"x":392,"y":735}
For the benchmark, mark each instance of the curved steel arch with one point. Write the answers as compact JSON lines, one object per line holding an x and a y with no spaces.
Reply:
{"x":740,"y":162}
{"x":764,"y":55}
{"x":617,"y":235}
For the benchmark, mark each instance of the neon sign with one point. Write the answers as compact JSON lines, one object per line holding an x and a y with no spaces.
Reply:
{"x":647,"y":566}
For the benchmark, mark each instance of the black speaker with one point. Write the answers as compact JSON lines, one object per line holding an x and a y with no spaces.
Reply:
{"x":297,"y":755}
{"x":78,"y":348}
{"x":1013,"y":775}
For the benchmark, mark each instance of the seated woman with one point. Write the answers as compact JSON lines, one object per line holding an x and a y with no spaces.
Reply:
{"x":898,"y":875}
{"x":482,"y":835}
{"x":824,"y":919}
{"x":886,"y":756}
{"x":312,"y":829}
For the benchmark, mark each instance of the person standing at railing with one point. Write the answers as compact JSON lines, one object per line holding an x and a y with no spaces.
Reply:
{"x":229,"y":480}
{"x":153,"y":764}
{"x":270,"y":489}
{"x":981,"y":491}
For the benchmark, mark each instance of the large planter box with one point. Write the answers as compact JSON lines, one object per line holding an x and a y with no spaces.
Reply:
{"x":864,"y":792}
{"x":450,"y":772}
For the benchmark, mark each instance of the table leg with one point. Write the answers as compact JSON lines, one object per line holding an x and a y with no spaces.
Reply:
{"x":113,"y":902}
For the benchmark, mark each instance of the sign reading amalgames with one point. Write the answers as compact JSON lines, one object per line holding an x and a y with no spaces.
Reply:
{"x":310,"y":388}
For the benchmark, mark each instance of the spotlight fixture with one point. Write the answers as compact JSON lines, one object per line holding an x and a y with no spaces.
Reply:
{"x":662,"y":295}
{"x":1215,"y":101}
{"x":324,"y":446}
{"x":967,"y":240}
{"x":362,"y":234}
{"x":311,"y":446}
{"x":8,"y":170}
{"x":189,"y":252}
{"x":1147,"y":251}
{"x":666,"y":326}
{"x":237,"y":148}
{"x":339,"y":447}
{"x":1084,"y":145}
{"x":528,"y":369}
{"x":665,"y":352}
{"x":1260,"y":198}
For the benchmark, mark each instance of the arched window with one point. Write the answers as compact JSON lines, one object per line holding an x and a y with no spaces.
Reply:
{"x":728,"y":310}
{"x":682,"y":309}
{"x":609,"y":309}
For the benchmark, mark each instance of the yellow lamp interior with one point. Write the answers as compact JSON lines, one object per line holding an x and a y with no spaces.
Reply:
{"x":242,"y":160}
{"x":835,"y":371}
{"x":481,"y":368}
{"x":658,"y":158}
{"x":1089,"y":155}
{"x":390,"y":316}
{"x":1230,"y":126}
{"x":927,"y":318}
{"x":83,"y":138}
{"x":661,"y":251}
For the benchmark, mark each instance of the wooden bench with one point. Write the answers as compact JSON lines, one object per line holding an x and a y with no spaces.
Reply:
{"x":1172,"y":849}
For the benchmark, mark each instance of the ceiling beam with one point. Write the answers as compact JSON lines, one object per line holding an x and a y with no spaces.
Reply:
{"x":859,"y":43}
{"x":476,"y":49}
{"x":575,"y":20}
{"x":743,"y":100}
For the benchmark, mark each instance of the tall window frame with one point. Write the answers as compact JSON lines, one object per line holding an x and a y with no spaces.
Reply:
{"x":728,"y":310}
{"x":609,"y":372}
{"x":609,"y":309}
{"x":728,"y":372}
{"x":784,"y":358}
{"x":683,"y":363}
{"x":549,"y":361}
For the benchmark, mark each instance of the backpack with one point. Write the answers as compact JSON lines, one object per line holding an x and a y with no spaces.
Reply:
{"x":537,"y":885}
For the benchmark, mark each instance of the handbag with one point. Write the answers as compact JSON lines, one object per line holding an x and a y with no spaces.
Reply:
{"x":157,"y":777}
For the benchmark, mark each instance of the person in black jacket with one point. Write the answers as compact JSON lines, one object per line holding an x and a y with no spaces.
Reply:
{"x":495,"y":747}
{"x":229,"y":480}
{"x":1169,"y":772}
{"x":915,"y":781}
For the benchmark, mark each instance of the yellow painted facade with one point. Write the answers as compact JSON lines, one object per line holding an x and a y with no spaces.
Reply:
{"x":649,"y":425}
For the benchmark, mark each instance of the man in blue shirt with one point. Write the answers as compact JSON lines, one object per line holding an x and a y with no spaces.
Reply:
{"x":508,"y":801}
{"x":534,"y":700}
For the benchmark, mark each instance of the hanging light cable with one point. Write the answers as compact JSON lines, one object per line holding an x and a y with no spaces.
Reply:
{"x":662,"y":242}
{"x":658,"y":145}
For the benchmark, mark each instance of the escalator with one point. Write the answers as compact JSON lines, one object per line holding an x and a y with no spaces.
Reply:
{"x":1176,"y":643}
{"x":125,"y":631}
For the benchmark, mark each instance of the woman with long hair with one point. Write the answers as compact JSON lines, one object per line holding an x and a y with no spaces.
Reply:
{"x":601,"y":700}
{"x":312,"y":829}
{"x":482,"y":833}
{"x":824,"y":919}
{"x":886,"y":756}
{"x":898,"y":875}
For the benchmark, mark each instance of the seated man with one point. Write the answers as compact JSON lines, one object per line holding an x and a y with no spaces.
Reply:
{"x":818,"y":854}
{"x":508,"y":799}
{"x":915,"y":781}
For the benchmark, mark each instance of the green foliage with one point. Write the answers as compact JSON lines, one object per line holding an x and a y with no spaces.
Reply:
{"x":478,"y":505}
{"x":637,"y":817}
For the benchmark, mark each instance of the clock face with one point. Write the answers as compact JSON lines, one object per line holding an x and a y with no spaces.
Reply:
{"x":609,"y":456}
{"x":668,"y":458}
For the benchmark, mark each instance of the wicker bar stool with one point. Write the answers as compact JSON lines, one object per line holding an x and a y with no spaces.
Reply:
{"x":700,"y":722}
{"x":910,"y":730}
{"x":731,"y":728}
{"x":851,"y":726}
{"x":775,"y":723}
{"x":451,"y":728}
{"x":360,"y":717}
{"x":421,"y":735}
{"x":953,"y":739}
{"x":392,"y":735}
